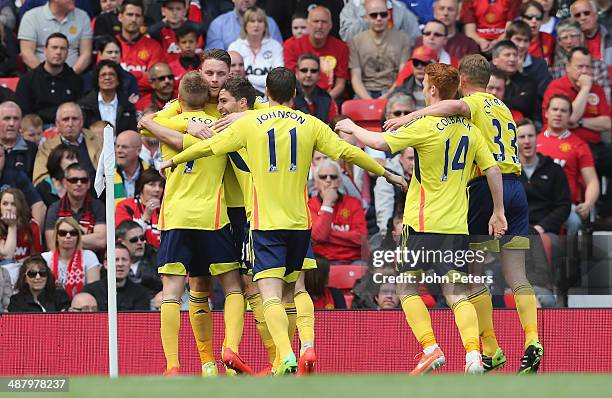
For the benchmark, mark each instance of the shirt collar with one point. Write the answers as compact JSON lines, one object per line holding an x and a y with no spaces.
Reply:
{"x":79,"y":140}
{"x":113,"y":102}
{"x":562,"y":136}
{"x":50,"y":17}
{"x":528,"y":60}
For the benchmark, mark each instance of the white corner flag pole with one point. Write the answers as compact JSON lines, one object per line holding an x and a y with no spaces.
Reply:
{"x":105,"y":176}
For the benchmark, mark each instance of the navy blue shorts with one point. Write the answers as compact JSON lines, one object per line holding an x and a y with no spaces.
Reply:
{"x":240,"y":227}
{"x":197,"y":252}
{"x":279,"y":253}
{"x":442,"y":253}
{"x":515,"y":206}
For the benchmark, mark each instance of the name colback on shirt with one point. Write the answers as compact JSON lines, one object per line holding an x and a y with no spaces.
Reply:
{"x":449,"y":120}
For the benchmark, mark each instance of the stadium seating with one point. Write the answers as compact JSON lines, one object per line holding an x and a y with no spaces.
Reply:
{"x":344,"y":277}
{"x":9,"y":82}
{"x":367,"y":113}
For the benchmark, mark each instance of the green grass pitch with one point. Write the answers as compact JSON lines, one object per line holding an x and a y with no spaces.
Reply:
{"x":343,"y":386}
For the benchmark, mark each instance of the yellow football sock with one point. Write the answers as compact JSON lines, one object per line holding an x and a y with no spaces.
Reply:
{"x":305,"y":318}
{"x":418,"y":319}
{"x":170,"y":325}
{"x":260,"y":323}
{"x":233,"y":316}
{"x":484,"y":310}
{"x":526,"y":306}
{"x":292,"y":318}
{"x":201,"y":324}
{"x":277,"y":322}
{"x":467,"y":323}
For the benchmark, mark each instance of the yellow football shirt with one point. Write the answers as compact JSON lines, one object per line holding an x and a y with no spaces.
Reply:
{"x":497,"y":126}
{"x":444,"y":150}
{"x":193,"y":197}
{"x":233,"y":194}
{"x":280,"y":142}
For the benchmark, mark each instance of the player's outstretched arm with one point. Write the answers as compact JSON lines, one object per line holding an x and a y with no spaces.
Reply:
{"x":148,"y":126}
{"x":497,"y":224}
{"x":442,"y":108}
{"x":225,"y":121}
{"x":369,"y":138}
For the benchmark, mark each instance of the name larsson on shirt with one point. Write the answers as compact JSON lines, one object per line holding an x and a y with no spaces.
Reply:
{"x":281,"y":114}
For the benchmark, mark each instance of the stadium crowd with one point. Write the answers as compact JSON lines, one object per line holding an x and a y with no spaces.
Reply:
{"x":69,"y":67}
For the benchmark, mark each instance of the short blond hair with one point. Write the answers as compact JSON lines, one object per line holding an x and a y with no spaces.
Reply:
{"x":193,"y":90}
{"x":32,"y":121}
{"x":254,"y":13}
{"x":476,"y":69}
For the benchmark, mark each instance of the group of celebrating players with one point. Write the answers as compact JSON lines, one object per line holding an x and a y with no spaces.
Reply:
{"x":237,"y":209}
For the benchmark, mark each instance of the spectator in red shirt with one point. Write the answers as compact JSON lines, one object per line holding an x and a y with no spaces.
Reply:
{"x":339,"y":230}
{"x":186,"y":60}
{"x":310,"y":98}
{"x":144,"y":207}
{"x":174,"y":14}
{"x":485,"y":20}
{"x":138,"y":52}
{"x":497,"y":87}
{"x":333,"y":53}
{"x":574,"y":155}
{"x":598,"y":38}
{"x":162,"y":82}
{"x":591,"y":112}
{"x":13,"y":206}
{"x":542,"y":44}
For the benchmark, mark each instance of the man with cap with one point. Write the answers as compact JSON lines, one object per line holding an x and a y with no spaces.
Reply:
{"x":410,"y":78}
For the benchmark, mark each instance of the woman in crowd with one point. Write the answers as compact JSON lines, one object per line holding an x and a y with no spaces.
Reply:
{"x":36,"y":289}
{"x":110,"y":49}
{"x":19,"y":232}
{"x":542,"y":43}
{"x":549,"y":20}
{"x":72,"y":266}
{"x":144,"y":206}
{"x":260,"y":52}
{"x":51,"y":188}
{"x":323,"y":296}
{"x":107,"y":101}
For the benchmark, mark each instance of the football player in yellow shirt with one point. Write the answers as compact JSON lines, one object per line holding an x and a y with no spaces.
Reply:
{"x":280,"y":143}
{"x":435,"y":215}
{"x":496,"y":124}
{"x":196,"y":239}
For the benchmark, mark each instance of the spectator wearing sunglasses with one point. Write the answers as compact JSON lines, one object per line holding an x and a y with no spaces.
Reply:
{"x":310,"y":98}
{"x":353,"y":19}
{"x":542,"y":44}
{"x":72,"y":266}
{"x":457,"y":44}
{"x":378,"y":54}
{"x":162,"y":83}
{"x":143,"y":256}
{"x":339,"y":230}
{"x":36,"y":290}
{"x":410,"y":78}
{"x":107,"y":101}
{"x":79,"y":204}
{"x":598,"y":38}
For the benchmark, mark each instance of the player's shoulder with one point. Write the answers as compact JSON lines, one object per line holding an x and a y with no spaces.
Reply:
{"x":418,"y":121}
{"x":261,"y":103}
{"x":172,"y":105}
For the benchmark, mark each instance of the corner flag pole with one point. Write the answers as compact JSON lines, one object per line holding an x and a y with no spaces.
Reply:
{"x":106,"y":165}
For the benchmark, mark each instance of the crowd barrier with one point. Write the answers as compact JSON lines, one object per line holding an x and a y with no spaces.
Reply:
{"x":575,"y":340}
